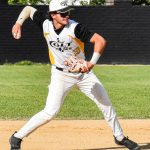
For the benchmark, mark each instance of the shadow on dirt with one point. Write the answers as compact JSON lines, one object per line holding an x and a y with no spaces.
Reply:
{"x":143,"y":146}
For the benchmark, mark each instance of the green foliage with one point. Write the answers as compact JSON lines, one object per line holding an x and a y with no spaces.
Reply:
{"x":92,"y":2}
{"x":82,"y":3}
{"x":97,"y":2}
{"x":34,"y":2}
{"x":27,"y":2}
{"x":141,"y":2}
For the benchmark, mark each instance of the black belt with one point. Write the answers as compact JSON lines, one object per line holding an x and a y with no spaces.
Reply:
{"x":60,"y":69}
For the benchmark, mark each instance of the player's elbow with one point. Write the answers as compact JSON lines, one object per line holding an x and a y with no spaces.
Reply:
{"x":103,"y":42}
{"x":96,"y":38}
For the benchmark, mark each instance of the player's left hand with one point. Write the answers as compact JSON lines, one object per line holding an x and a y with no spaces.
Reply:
{"x":75,"y":64}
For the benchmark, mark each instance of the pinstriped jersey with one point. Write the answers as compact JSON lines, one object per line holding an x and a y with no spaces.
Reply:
{"x":64,"y":43}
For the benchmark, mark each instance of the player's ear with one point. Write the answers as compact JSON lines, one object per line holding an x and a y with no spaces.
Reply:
{"x":49,"y":16}
{"x":52,"y":15}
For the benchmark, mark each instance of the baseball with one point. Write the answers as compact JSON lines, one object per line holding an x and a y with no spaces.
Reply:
{"x":16,"y":36}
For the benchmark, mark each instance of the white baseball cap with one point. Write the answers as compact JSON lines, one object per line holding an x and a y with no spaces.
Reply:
{"x":59,"y":6}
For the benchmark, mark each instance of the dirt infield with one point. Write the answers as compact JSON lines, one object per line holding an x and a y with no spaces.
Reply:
{"x":76,"y":135}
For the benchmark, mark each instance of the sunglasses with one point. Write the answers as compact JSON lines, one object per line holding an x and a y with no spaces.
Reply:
{"x":65,"y":14}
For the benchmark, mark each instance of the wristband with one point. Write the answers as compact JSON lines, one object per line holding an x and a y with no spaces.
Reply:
{"x":95,"y":58}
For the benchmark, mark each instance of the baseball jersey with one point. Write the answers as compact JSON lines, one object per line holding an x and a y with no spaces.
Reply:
{"x":64,"y":42}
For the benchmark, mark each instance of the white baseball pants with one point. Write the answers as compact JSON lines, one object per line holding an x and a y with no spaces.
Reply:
{"x":61,"y":83}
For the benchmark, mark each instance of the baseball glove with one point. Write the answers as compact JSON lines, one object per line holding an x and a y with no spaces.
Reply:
{"x":76,"y":64}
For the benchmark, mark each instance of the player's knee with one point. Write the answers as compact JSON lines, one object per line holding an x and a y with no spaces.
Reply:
{"x":51,"y":113}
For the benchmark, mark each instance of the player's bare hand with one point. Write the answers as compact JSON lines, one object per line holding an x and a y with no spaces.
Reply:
{"x":84,"y":66}
{"x":89,"y":65}
{"x":16,"y":31}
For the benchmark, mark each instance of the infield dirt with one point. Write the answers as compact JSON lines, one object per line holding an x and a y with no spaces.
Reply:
{"x":76,"y":135}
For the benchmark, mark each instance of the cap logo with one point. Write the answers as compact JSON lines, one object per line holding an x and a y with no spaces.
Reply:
{"x":64,"y":3}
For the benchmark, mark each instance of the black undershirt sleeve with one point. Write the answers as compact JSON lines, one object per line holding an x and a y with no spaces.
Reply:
{"x":38,"y":18}
{"x":82,"y":33}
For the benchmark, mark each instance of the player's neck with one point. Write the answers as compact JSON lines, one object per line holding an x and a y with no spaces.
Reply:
{"x":57,"y":25}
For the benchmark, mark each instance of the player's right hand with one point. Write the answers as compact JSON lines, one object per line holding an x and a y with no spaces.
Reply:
{"x":16,"y":31}
{"x":89,"y":65}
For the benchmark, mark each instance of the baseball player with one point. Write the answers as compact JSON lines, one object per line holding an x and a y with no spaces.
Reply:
{"x":65,"y":39}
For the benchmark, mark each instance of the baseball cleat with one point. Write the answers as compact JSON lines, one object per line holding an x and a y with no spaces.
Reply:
{"x":131,"y":145}
{"x":15,"y":142}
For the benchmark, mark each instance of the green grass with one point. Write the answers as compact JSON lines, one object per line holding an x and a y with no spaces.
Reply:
{"x":24,"y":88}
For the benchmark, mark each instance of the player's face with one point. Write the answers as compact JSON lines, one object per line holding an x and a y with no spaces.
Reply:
{"x":61,"y":18}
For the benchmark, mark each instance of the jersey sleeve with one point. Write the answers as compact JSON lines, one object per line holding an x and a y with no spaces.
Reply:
{"x":38,"y":18}
{"x":82,"y":33}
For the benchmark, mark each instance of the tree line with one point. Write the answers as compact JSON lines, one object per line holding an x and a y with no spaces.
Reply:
{"x":45,"y":2}
{"x":82,"y":2}
{"x":141,"y":2}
